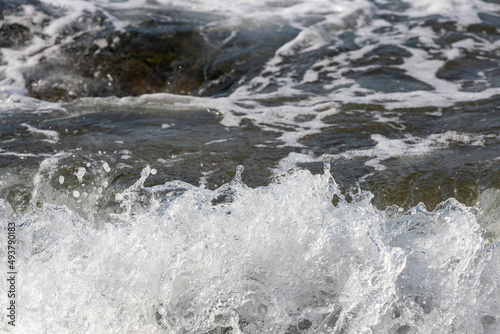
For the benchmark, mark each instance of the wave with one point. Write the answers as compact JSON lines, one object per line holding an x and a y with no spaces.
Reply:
{"x":296,"y":256}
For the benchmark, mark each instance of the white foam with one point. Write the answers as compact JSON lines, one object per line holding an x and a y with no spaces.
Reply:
{"x":5,"y":209}
{"x":80,"y":173}
{"x":422,"y":65}
{"x":51,"y":134}
{"x":106,"y":167}
{"x":463,"y":11}
{"x":23,"y":155}
{"x":386,"y":148}
{"x":262,"y":258}
{"x":218,"y":141}
{"x":407,"y":147}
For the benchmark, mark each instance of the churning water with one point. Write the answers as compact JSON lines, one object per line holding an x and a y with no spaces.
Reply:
{"x":306,"y":166}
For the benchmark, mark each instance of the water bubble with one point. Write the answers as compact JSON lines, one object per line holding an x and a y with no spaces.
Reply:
{"x":326,"y":167}
{"x":80,"y":173}
{"x":239,"y":171}
{"x":76,"y":193}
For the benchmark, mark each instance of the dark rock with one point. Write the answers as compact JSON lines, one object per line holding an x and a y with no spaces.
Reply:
{"x":179,"y":56}
{"x":13,"y":34}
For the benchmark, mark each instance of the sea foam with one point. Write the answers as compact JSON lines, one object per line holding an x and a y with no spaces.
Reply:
{"x":296,"y":256}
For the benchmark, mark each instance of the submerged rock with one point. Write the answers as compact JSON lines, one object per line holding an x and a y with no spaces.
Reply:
{"x":12,"y":35}
{"x":179,"y":55}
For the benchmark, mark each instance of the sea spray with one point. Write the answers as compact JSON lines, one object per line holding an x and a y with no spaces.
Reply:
{"x":296,"y":256}
{"x":122,"y":208}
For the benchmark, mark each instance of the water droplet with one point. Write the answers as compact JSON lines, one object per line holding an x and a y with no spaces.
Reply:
{"x":80,"y":173}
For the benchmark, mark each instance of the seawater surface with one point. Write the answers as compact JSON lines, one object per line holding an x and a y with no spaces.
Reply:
{"x":251,"y":166}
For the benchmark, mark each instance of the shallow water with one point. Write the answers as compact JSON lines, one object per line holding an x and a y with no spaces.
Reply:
{"x":369,"y":136}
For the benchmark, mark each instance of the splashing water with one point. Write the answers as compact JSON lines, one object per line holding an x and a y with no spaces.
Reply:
{"x":132,"y":216}
{"x":296,"y":256}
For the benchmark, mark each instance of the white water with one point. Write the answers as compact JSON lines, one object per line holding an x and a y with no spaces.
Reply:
{"x":185,"y":259}
{"x":295,"y":256}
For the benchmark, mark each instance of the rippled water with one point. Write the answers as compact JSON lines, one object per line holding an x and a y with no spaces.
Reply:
{"x":251,"y":167}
